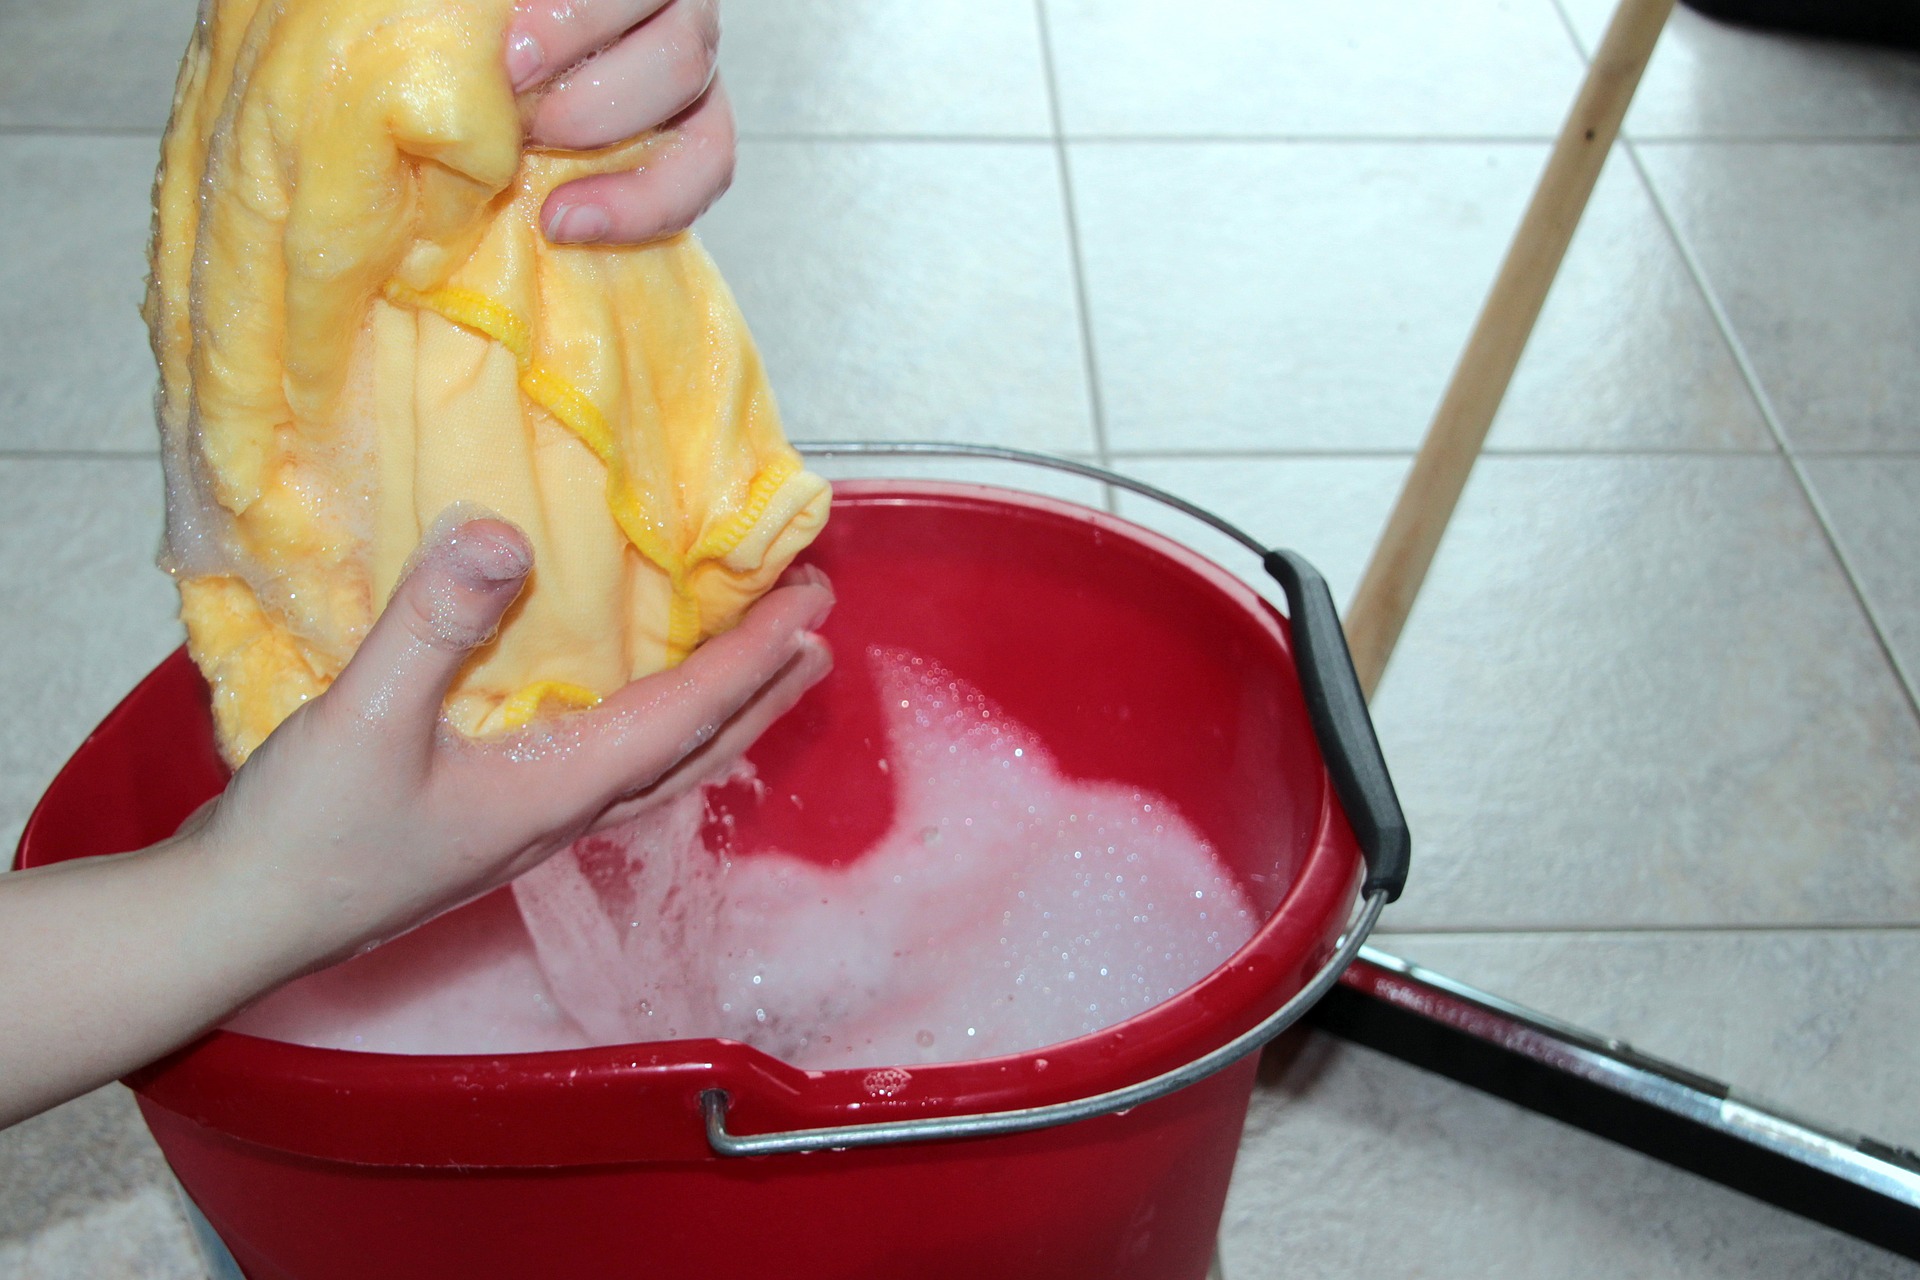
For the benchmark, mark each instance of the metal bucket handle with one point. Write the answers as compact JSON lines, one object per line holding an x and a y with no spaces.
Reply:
{"x":1347,"y":742}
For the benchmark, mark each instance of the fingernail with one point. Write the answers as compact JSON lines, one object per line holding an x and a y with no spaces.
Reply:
{"x":578,"y":224}
{"x":488,"y":558}
{"x":820,"y":611}
{"x":815,"y":654}
{"x":525,"y":59}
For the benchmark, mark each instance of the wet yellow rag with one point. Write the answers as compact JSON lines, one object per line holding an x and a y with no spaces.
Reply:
{"x":359,"y":324}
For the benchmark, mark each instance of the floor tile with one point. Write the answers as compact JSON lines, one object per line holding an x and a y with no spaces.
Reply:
{"x":1317,"y":301}
{"x":886,"y":66}
{"x":1476,"y":67}
{"x":1714,"y":80}
{"x":143,"y":1237}
{"x":75,"y":369}
{"x":909,"y":291}
{"x":64,"y":1162}
{"x":1627,"y":354}
{"x":89,"y":615}
{"x":1641,"y":691}
{"x":1354,"y":1164}
{"x":1822,"y":1023}
{"x":1635,"y":691}
{"x":1330,"y":510}
{"x":91,"y":63}
{"x":1873,"y":505}
{"x":1325,"y":297}
{"x":1812,"y":251}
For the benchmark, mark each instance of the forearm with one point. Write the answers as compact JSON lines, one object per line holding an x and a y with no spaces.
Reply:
{"x":109,"y":963}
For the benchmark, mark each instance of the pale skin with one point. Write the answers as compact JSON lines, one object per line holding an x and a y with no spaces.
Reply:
{"x":361,"y":816}
{"x":607,"y":70}
{"x":364,"y":814}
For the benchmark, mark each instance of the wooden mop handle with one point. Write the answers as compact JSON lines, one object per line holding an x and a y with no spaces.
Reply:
{"x":1459,"y":428}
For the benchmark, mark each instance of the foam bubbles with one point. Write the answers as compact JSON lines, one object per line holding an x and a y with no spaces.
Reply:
{"x":1008,"y":908}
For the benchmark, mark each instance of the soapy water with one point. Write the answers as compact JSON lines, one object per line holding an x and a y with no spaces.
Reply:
{"x":1009,"y":907}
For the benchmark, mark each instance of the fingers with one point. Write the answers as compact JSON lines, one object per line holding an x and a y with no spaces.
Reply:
{"x":546,"y":37}
{"x":654,"y":66}
{"x":197,"y":820}
{"x":448,"y":605}
{"x":652,"y":74}
{"x":691,"y":170}
{"x":807,"y":668}
{"x":639,"y":733}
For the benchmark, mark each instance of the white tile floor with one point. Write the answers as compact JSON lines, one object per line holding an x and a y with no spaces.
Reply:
{"x":1654,"y":716}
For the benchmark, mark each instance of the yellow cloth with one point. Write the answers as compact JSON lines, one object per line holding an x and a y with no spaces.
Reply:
{"x":358,"y":322}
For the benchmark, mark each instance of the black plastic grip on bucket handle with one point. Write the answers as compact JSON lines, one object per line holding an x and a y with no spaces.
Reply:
{"x":1342,"y":724}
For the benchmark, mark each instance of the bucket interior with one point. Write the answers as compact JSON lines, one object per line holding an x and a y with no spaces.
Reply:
{"x":1133,"y":662}
{"x":1132,"y":659}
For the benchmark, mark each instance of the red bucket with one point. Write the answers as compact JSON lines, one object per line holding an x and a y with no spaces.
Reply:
{"x":1133,"y":659}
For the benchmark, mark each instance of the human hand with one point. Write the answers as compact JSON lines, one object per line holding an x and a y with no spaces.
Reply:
{"x":364,"y":814}
{"x":361,"y":816}
{"x":612,"y":70}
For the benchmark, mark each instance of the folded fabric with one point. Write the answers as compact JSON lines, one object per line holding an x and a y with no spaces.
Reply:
{"x":360,"y":324}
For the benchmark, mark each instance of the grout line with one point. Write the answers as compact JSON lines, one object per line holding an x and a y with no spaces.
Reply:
{"x":1298,"y":139}
{"x":82,"y":131}
{"x":1904,"y":453}
{"x":1135,"y":139}
{"x":1625,"y":451}
{"x":1304,"y":139}
{"x":965,"y":139}
{"x":1131,"y":139}
{"x":1090,"y":359}
{"x":1585,"y":54}
{"x":1407,"y":451}
{"x":1228,"y":454}
{"x":1644,"y":930}
{"x":1631,"y":144}
{"x":80,"y":455}
{"x":1756,"y":139}
{"x":1779,"y":140}
{"x":1316,"y":139}
{"x":1167,"y":139}
{"x":1573,"y":34}
{"x":1909,"y":683}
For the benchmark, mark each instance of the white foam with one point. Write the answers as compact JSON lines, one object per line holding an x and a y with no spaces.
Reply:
{"x":468,"y":984}
{"x":1009,"y":908}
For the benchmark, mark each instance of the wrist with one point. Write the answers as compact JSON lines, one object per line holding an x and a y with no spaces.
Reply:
{"x":257,"y":927}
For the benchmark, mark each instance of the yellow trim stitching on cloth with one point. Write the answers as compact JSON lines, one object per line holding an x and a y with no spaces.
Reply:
{"x":519,"y":710}
{"x":578,"y":414}
{"x":475,"y":311}
{"x":574,"y":411}
{"x":729,"y":533}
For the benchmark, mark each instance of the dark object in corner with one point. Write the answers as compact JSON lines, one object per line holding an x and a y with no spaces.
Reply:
{"x":1889,"y":22}
{"x":1868,"y":1189}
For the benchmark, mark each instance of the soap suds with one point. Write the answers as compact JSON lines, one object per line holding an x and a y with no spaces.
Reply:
{"x":1008,"y":908}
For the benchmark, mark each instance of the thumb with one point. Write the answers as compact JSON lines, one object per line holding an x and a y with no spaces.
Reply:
{"x":451,"y":601}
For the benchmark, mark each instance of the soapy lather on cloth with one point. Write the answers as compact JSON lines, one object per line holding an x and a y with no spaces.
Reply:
{"x":359,"y":322}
